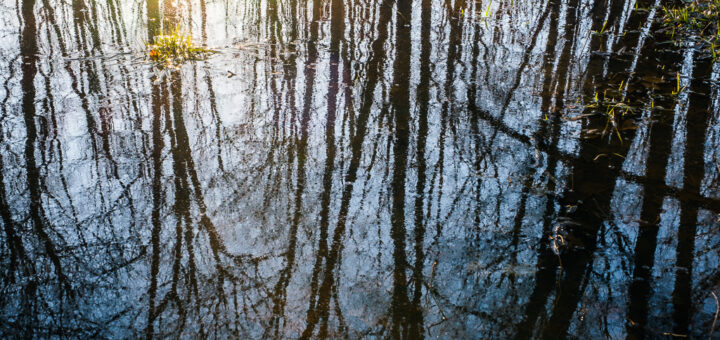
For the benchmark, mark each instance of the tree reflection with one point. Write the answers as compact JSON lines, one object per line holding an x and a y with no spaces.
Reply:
{"x":344,"y":169}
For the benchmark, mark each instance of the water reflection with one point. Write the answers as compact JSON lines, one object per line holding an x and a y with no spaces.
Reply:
{"x":344,"y":169}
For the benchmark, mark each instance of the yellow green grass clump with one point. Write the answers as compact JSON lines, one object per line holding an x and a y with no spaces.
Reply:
{"x":174,"y":48}
{"x":699,"y":18}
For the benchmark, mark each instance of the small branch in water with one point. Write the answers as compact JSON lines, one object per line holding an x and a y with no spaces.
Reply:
{"x":717,"y":310}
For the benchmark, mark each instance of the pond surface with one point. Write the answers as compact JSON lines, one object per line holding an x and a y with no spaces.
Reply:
{"x":357,"y":169}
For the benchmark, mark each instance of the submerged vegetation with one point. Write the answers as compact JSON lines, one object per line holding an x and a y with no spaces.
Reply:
{"x":697,"y":19}
{"x":174,"y":48}
{"x":613,"y":105}
{"x":694,"y":23}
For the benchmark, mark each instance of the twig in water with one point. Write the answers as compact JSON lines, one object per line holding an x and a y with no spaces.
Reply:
{"x":717,"y":310}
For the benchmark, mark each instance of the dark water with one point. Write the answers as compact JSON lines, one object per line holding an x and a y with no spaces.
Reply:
{"x":357,"y":169}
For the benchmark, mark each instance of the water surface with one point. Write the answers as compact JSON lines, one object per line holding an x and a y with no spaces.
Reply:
{"x":357,"y":169}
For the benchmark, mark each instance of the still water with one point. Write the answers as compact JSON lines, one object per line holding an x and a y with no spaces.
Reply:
{"x":357,"y":169}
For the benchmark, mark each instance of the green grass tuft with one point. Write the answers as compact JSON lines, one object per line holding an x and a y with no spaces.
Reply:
{"x":698,"y":18}
{"x":174,"y":48}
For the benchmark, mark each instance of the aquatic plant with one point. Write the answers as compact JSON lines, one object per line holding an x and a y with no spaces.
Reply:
{"x":686,"y":17}
{"x":694,"y":15}
{"x":696,"y":19}
{"x":678,"y":89}
{"x":615,"y":110}
{"x":175,"y":47}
